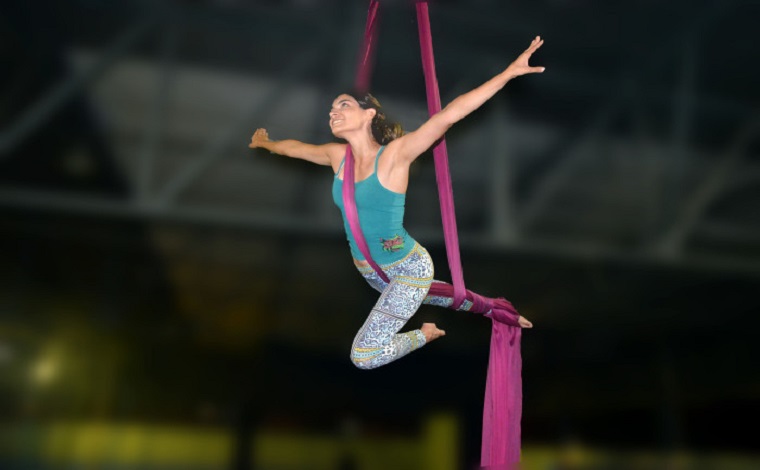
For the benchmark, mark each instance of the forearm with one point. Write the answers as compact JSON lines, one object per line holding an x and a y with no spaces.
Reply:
{"x":287,"y":147}
{"x":472,"y":100}
{"x":319,"y":154}
{"x":415,"y":143}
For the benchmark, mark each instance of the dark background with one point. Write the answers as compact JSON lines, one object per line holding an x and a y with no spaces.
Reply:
{"x":162,"y":283}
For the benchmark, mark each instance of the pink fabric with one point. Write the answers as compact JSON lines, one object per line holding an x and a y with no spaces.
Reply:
{"x":441,"y":158}
{"x":364,"y":72}
{"x":352,"y":215}
{"x":502,"y":407}
{"x":502,"y":410}
{"x":362,"y":86}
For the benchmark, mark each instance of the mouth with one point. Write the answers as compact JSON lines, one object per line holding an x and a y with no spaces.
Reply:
{"x":335,"y":122}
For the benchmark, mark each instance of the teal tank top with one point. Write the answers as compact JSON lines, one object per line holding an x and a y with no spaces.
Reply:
{"x":381,"y":217}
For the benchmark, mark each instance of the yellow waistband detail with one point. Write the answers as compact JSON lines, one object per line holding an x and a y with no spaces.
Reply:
{"x":362,"y":264}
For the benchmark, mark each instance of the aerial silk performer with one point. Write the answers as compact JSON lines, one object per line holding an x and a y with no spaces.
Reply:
{"x":371,"y":177}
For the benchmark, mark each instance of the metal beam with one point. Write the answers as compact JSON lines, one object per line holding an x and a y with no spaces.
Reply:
{"x":674,"y":182}
{"x":37,"y":200}
{"x":577,"y":153}
{"x":503,"y":224}
{"x":218,"y":145}
{"x":558,"y":175}
{"x":156,"y":121}
{"x":712,"y":186}
{"x":46,"y":107}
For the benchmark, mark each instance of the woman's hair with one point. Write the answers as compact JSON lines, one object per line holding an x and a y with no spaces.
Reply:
{"x":383,"y":130}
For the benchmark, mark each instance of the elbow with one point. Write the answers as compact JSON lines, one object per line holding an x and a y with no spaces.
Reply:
{"x":451,"y":114}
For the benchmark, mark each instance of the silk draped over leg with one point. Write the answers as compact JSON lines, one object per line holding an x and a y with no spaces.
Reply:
{"x":502,"y":410}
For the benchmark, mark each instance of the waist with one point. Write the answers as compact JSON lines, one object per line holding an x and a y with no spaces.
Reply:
{"x":384,"y":248}
{"x":363,"y":266}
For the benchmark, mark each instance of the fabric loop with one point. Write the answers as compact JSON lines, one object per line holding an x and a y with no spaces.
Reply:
{"x":352,"y":214}
{"x":502,"y":409}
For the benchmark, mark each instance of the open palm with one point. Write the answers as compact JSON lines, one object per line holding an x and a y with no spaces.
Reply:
{"x":520,"y":66}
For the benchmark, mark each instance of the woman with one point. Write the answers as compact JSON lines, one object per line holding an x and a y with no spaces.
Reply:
{"x":382,"y":160}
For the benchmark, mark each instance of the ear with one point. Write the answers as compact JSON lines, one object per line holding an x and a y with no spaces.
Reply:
{"x":372,"y":112}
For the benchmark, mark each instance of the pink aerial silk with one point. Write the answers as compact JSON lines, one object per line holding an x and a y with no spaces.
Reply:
{"x":502,"y":410}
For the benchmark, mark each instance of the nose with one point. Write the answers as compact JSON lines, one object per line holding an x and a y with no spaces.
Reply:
{"x":333,"y":113}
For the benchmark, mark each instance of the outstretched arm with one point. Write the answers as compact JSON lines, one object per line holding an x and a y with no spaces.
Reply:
{"x":413,"y":144}
{"x":319,"y":154}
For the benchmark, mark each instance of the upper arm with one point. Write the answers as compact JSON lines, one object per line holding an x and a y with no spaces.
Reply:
{"x":412,"y":145}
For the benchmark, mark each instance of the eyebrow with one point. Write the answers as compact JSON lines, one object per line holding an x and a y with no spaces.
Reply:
{"x":343,"y":101}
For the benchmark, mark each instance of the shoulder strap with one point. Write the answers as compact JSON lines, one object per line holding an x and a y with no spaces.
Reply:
{"x":340,"y":166}
{"x":377,"y":157}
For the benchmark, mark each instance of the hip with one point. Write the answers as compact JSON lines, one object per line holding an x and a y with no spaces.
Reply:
{"x":416,"y":268}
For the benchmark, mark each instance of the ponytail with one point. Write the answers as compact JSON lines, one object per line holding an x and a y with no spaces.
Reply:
{"x":383,"y":131}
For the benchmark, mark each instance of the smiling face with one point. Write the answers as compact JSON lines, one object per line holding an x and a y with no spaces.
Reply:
{"x":347,"y":115}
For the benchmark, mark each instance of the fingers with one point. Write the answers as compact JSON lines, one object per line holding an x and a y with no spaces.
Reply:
{"x":522,"y":61}
{"x":258,"y":136}
{"x":534,"y":45}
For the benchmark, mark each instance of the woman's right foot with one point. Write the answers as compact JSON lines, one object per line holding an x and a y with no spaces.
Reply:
{"x":431,"y":332}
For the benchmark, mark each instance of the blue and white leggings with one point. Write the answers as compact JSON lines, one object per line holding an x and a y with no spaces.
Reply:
{"x":379,"y":342}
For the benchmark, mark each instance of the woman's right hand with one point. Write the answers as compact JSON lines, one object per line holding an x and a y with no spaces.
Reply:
{"x":521,"y":66}
{"x":259,"y":137}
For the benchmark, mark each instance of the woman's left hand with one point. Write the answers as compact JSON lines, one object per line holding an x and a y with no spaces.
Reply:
{"x":520,"y":66}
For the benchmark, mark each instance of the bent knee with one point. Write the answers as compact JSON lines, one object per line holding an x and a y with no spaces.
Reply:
{"x":362,"y":361}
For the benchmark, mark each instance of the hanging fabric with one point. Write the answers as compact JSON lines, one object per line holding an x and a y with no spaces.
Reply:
{"x":502,"y":410}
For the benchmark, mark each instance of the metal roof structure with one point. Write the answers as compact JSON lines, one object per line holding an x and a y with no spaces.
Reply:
{"x":640,"y":140}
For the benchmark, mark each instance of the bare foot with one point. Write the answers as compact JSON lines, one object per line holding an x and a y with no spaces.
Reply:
{"x":524,"y":323}
{"x":431,"y":332}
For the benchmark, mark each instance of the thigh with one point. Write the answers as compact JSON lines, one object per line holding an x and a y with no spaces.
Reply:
{"x":401,"y":299}
{"x":438,"y":301}
{"x":415,"y":269}
{"x":396,"y":305}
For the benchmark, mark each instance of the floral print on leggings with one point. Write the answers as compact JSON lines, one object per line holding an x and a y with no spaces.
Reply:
{"x":379,"y":342}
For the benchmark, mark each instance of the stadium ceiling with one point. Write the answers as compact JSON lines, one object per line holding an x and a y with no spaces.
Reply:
{"x":639,"y":143}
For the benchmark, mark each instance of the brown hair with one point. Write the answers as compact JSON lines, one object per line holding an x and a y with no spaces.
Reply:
{"x":382,"y":130}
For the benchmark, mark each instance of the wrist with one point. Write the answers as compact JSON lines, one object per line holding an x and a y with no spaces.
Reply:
{"x":508,"y":74}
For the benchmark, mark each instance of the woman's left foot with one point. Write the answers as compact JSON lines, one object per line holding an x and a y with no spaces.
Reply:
{"x":431,"y":332}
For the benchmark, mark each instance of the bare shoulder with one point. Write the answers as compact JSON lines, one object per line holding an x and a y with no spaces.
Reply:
{"x":413,"y":144}
{"x":335,"y":151}
{"x":392,"y":155}
{"x":393,"y":169}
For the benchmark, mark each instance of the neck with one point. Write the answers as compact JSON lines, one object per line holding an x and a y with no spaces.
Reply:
{"x":363,"y":148}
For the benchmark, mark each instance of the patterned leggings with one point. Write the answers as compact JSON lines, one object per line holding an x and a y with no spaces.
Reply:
{"x":379,"y":342}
